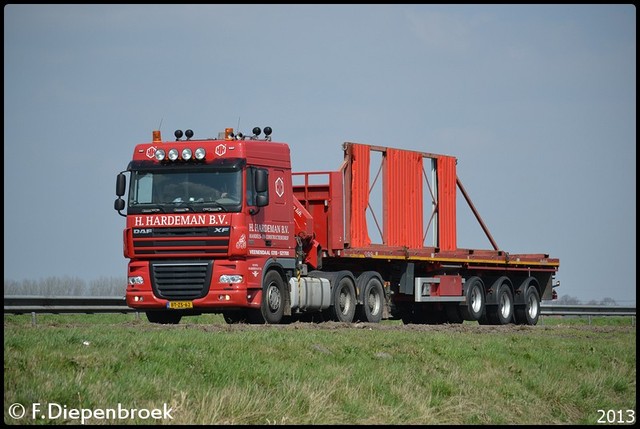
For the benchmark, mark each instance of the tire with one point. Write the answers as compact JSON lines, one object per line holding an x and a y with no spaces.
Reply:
{"x":502,"y":313}
{"x":343,"y":301}
{"x":372,"y":301}
{"x":474,"y":306}
{"x":272,"y":305}
{"x":164,"y":317}
{"x":530,"y":312}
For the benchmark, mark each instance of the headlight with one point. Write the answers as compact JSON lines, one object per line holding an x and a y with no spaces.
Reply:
{"x":231,"y":278}
{"x":137,"y":280}
{"x":186,"y":154}
{"x":160,"y":154}
{"x":173,"y":154}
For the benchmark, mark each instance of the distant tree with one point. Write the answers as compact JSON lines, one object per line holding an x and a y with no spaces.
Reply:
{"x":66,"y":286}
{"x":11,"y":287}
{"x":567,"y":300}
{"x":63,"y":286}
{"x":108,"y":286}
{"x":609,"y":301}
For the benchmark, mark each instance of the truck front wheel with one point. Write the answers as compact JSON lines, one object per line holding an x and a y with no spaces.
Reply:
{"x":272,"y":305}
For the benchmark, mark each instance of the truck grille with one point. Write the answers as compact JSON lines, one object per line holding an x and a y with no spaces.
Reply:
{"x":181,"y":242}
{"x":181,"y":280}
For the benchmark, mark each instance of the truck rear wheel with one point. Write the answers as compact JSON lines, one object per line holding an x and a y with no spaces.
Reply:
{"x":164,"y":317}
{"x":372,"y":299}
{"x":272,"y":304}
{"x":530,"y":312}
{"x":343,"y":307}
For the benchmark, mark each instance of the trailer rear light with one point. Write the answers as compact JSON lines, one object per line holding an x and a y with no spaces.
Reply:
{"x":136,"y":280}
{"x":200,"y":154}
{"x":173,"y":154}
{"x":160,"y":154}
{"x":231,"y":279}
{"x":186,"y":154}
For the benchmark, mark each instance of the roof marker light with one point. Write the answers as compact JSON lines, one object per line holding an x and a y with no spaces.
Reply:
{"x":200,"y":154}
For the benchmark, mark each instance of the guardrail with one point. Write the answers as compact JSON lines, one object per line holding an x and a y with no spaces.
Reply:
{"x":21,"y":304}
{"x":586,"y":310}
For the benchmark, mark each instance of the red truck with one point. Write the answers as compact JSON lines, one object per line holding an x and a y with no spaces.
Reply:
{"x":222,"y":225}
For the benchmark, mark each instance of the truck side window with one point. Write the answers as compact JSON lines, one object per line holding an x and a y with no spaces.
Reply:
{"x":251,"y":191}
{"x":257,"y":177}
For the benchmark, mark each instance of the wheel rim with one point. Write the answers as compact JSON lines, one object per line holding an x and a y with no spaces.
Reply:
{"x":374,"y":302}
{"x":273,"y":297}
{"x":345,"y":301}
{"x":476,"y":300}
{"x":505,"y":306}
{"x":532,"y":308}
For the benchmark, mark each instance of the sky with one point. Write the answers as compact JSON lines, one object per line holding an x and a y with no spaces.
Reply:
{"x":536,"y":102}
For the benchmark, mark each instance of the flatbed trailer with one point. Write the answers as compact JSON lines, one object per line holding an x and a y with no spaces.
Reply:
{"x":426,"y":283}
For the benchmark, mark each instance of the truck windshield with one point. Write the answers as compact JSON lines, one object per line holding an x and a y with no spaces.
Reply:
{"x":180,"y":190}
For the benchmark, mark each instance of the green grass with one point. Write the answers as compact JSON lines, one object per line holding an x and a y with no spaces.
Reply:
{"x":208,"y":372}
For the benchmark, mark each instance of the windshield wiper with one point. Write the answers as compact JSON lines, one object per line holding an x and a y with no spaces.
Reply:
{"x":185,"y":207}
{"x":218,"y":207}
{"x":153,"y":210}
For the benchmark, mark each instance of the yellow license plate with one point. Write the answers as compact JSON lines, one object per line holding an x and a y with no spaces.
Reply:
{"x":179,"y":304}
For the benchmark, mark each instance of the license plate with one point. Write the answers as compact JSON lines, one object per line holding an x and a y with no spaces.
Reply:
{"x":179,"y":304}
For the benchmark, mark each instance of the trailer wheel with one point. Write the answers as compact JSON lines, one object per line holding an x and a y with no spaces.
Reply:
{"x":530,"y":312}
{"x":475,"y":300}
{"x":164,"y":317}
{"x":343,"y":307}
{"x":502,"y":313}
{"x":372,"y":301}
{"x":272,"y":305}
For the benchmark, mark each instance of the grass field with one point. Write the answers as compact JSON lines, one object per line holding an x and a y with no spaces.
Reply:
{"x":105,"y":369}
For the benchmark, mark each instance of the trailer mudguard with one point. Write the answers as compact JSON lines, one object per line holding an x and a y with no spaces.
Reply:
{"x":491,"y":298}
{"x":519,"y":290}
